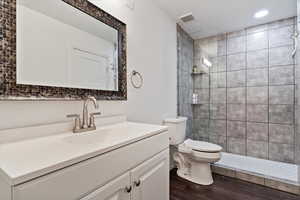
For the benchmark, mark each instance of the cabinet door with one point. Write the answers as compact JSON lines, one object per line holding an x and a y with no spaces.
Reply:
{"x":118,"y":189}
{"x":150,"y":180}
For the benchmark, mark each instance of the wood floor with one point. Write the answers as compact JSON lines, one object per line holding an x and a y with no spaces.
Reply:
{"x":224,"y":188}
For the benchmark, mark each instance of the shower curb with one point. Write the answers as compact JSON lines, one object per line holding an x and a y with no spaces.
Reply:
{"x":282,"y":185}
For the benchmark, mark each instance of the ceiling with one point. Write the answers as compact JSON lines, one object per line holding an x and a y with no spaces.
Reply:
{"x":213,"y":17}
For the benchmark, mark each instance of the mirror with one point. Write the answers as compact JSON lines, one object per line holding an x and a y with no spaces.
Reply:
{"x":59,"y":45}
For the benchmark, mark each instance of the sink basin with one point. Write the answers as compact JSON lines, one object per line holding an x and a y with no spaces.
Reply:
{"x":93,"y":137}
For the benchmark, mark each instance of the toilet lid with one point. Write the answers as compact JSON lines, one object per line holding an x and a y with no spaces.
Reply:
{"x":202,"y":146}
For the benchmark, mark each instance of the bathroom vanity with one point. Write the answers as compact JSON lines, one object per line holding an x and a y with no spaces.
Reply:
{"x":120,"y":160}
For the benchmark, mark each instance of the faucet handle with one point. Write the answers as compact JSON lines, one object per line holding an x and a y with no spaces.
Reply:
{"x":92,"y":119}
{"x":73,"y":116}
{"x":95,"y":113}
{"x":77,"y":125}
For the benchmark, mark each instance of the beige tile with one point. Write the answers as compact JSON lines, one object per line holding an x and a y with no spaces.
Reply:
{"x":250,"y":178}
{"x":294,"y":189}
{"x":224,"y":171}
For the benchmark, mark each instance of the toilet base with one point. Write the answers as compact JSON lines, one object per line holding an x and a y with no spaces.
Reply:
{"x":199,"y":173}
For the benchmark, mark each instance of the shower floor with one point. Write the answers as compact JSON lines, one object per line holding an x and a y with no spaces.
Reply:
{"x":266,"y":168}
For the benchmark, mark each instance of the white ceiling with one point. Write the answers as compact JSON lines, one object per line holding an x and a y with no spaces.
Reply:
{"x":213,"y":17}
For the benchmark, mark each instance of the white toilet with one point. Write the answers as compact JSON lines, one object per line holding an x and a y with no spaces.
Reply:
{"x":193,"y":158}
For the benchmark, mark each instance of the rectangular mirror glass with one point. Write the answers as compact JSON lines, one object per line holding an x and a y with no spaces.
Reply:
{"x":58,"y":45}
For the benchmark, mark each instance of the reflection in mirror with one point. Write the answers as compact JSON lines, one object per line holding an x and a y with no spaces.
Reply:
{"x":61,"y":46}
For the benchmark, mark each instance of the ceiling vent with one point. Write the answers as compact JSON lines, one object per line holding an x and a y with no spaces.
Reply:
{"x":187,"y":17}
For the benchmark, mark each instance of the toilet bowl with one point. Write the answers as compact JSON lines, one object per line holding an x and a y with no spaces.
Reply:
{"x":193,"y":160}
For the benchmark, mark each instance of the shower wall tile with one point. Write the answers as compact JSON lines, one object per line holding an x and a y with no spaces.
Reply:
{"x":185,"y":50}
{"x":236,"y":34}
{"x":236,"y":129}
{"x":282,"y":114}
{"x":258,"y":149}
{"x":201,"y":111}
{"x":252,"y":92}
{"x":257,"y":113}
{"x":281,"y":152}
{"x":218,"y":80}
{"x":281,"y":36}
{"x":185,"y":95}
{"x":282,"y":75}
{"x":236,"y":62}
{"x":236,"y":146}
{"x":236,"y":112}
{"x":236,"y":95}
{"x":200,"y":127}
{"x":297,"y":110}
{"x":222,"y":47}
{"x":236,"y":45}
{"x":257,"y":131}
{"x":255,"y":29}
{"x":217,"y":127}
{"x":281,"y":56}
{"x":256,"y":59}
{"x":189,"y":128}
{"x":200,"y":134}
{"x":203,"y":95}
{"x":219,"y":140}
{"x":281,"y":23}
{"x":219,"y":64}
{"x":199,"y":138}
{"x":236,"y":78}
{"x":282,"y":94}
{"x":257,"y":95}
{"x":283,"y":134}
{"x":218,"y":95}
{"x":257,"y":77}
{"x":201,"y":124}
{"x":257,"y":41}
{"x":218,"y":111}
{"x":201,"y":82}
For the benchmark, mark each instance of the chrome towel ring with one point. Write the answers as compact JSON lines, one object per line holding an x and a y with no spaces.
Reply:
{"x":136,"y":83}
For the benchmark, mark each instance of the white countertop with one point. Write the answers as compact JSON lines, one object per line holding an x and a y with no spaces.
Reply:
{"x":24,"y":160}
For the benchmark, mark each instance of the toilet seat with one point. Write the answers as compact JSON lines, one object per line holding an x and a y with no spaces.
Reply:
{"x":201,"y":146}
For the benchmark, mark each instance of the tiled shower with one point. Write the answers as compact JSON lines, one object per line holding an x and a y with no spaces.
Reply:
{"x":247,"y":99}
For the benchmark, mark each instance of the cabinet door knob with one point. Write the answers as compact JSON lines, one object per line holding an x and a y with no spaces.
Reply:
{"x":137,"y":183}
{"x":128,"y":189}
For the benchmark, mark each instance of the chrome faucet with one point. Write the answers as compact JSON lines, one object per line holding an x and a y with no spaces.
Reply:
{"x":88,"y":123}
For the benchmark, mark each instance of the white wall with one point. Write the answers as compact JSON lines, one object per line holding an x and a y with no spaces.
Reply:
{"x":151,"y":51}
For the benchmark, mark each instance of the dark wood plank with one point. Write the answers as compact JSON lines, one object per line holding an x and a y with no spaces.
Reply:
{"x":224,"y":188}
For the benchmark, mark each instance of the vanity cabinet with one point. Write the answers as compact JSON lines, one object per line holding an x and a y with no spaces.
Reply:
{"x":148,"y":181}
{"x":115,"y":190}
{"x":151,"y":179}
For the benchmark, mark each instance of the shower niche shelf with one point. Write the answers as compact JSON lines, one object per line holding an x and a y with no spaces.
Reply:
{"x":197,"y":73}
{"x":195,"y":104}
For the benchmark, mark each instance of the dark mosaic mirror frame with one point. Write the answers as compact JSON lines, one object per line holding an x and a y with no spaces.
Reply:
{"x":9,"y":90}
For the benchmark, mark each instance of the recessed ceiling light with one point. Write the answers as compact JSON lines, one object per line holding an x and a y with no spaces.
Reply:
{"x":261,"y":13}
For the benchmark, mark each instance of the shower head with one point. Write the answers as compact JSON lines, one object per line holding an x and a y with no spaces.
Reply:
{"x":187,"y":17}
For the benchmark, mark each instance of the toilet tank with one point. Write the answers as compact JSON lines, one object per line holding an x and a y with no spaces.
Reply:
{"x":177,"y":127}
